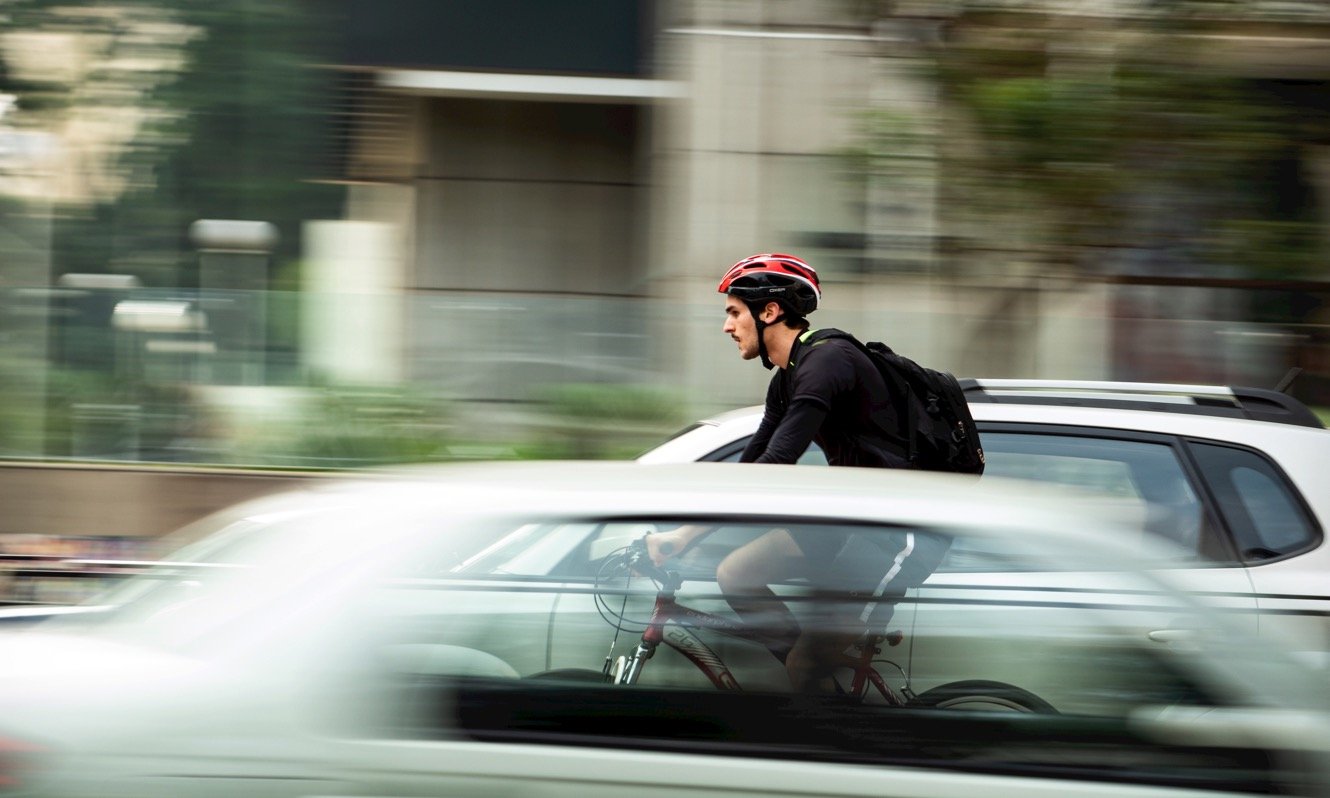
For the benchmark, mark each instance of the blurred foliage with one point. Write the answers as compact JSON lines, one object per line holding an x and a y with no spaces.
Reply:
{"x":70,"y":412}
{"x":602,"y":421}
{"x":21,"y":415}
{"x":220,"y":109}
{"x":340,"y":426}
{"x":1132,"y":153}
{"x":96,"y":414}
{"x":888,"y":145}
{"x":346,"y":426}
{"x":611,"y":403}
{"x":1282,"y":248}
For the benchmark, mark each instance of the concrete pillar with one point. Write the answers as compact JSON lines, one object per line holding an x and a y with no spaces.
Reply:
{"x":751,"y":160}
{"x":353,"y":305}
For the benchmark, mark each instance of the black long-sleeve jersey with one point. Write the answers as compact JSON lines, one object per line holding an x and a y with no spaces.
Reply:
{"x":831,"y":393}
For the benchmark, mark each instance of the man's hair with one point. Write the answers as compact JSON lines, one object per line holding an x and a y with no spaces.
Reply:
{"x":795,"y":322}
{"x":789,"y":318}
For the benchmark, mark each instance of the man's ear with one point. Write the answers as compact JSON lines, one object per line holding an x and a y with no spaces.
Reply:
{"x":771,"y":312}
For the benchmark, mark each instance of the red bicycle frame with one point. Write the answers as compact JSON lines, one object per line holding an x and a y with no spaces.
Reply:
{"x":673,"y":623}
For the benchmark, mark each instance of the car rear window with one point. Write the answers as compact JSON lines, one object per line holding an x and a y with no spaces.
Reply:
{"x":1264,"y":512}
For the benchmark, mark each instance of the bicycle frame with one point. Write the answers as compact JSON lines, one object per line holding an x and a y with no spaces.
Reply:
{"x":670,"y":624}
{"x":865,"y":674}
{"x":673,"y":623}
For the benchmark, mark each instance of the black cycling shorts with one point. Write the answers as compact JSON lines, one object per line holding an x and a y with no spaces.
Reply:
{"x":866,"y":569}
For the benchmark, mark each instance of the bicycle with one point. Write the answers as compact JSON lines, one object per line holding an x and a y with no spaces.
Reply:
{"x":673,"y":624}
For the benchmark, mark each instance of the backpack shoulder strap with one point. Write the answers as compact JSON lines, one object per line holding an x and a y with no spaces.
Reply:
{"x":812,"y":337}
{"x":896,"y":383}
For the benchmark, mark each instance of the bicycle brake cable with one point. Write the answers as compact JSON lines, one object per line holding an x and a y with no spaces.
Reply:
{"x":618,"y":624}
{"x":603,"y":607}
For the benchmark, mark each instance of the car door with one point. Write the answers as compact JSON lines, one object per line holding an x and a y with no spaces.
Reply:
{"x":461,"y":724}
{"x":981,"y":617}
{"x":1151,"y":483}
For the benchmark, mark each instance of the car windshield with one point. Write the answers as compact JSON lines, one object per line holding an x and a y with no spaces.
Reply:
{"x":243,"y":565}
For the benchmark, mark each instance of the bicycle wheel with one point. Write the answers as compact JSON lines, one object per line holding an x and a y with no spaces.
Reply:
{"x":571,"y":675}
{"x":978,"y":695}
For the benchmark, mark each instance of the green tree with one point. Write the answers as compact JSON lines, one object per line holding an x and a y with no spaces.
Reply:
{"x":225,"y":115}
{"x":1094,"y":153}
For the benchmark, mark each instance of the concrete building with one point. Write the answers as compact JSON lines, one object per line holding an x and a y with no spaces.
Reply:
{"x":561,"y":199}
{"x":500,"y":165}
{"x":546,"y":192}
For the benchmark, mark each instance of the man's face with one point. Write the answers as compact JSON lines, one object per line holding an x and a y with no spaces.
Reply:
{"x":740,"y":326}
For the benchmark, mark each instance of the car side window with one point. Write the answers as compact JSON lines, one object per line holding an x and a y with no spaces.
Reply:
{"x":1054,"y":676}
{"x":1262,"y":509}
{"x":1145,"y":480}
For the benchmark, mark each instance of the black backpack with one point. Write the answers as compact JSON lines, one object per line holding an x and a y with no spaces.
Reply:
{"x":937,"y":430}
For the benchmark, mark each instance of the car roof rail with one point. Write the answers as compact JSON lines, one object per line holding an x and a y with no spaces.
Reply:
{"x":1258,"y":404}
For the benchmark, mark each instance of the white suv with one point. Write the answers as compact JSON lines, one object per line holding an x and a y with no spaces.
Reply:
{"x":1236,"y":477}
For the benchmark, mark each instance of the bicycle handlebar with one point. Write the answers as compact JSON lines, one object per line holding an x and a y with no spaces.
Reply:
{"x":639,"y":560}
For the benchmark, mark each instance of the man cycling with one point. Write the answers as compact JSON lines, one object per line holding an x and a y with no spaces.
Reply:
{"x":828,"y":391}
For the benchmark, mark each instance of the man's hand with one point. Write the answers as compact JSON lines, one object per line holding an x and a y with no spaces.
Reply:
{"x":661,"y":546}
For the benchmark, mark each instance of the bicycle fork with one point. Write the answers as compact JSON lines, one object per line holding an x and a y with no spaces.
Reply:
{"x":627,"y":669}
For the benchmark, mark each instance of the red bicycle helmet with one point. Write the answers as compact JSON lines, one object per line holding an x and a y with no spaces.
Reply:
{"x":773,"y":277}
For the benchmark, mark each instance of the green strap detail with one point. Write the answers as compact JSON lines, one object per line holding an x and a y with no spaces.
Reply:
{"x":803,"y":339}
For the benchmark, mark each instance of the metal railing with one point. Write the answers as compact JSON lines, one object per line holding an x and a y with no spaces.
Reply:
{"x":43,"y":579}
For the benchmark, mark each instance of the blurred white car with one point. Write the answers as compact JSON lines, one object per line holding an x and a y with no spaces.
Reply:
{"x":445,"y":631}
{"x":1235,"y":477}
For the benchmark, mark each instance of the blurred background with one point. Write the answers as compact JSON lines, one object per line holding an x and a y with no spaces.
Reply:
{"x":329,"y":234}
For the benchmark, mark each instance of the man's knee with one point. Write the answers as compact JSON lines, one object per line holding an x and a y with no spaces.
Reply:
{"x":803,"y":661}
{"x":731,"y":576}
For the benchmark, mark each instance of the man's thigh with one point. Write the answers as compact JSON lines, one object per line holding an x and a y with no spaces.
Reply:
{"x":772,"y":557}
